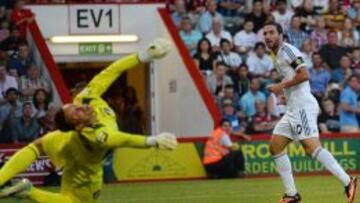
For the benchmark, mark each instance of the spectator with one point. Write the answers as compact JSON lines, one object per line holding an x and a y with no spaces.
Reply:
{"x":217,"y":33}
{"x":341,"y":74}
{"x":318,"y":35}
{"x":260,"y":64}
{"x":204,"y":58}
{"x":321,"y":6}
{"x":229,"y":95}
{"x":229,"y":10}
{"x":26,"y":128}
{"x":179,"y":13}
{"x":223,"y":158}
{"x":12,"y":105}
{"x":295,"y":35}
{"x":132,"y":119}
{"x":11,"y":44}
{"x":319,"y":77}
{"x":276,"y":106}
{"x":262,"y":122}
{"x":218,"y":80}
{"x":21,"y":17}
{"x":329,"y":119}
{"x":245,"y":39}
{"x":22,"y":61}
{"x":307,"y":50}
{"x":230,"y":113}
{"x":307,"y":15}
{"x":206,"y":18}
{"x":282,"y":14}
{"x":4,"y":30}
{"x":189,"y":36}
{"x":8,"y":112}
{"x":242,"y":81}
{"x":247,"y":101}
{"x":352,"y":12}
{"x":226,"y":56}
{"x":6,"y":82}
{"x":2,"y":12}
{"x":355,"y":57}
{"x":41,"y":102}
{"x":348,"y":36}
{"x":257,"y":15}
{"x":334,"y":17}
{"x":47,"y":122}
{"x":31,"y":82}
{"x":349,"y":106}
{"x":332,"y":52}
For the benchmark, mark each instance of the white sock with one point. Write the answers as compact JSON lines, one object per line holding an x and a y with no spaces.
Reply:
{"x":328,"y":160}
{"x":284,"y":168}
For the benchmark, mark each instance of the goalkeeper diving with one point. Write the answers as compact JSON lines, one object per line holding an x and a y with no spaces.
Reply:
{"x":87,"y":133}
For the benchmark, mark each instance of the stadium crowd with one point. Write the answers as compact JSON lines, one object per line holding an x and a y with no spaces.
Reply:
{"x":225,"y":39}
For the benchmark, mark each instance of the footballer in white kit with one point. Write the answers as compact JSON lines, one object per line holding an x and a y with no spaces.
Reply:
{"x":300,"y":120}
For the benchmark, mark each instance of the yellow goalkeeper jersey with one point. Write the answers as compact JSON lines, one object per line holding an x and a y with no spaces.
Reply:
{"x":81,"y":154}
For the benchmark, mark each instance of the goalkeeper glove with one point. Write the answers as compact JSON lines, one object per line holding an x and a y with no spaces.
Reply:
{"x":155,"y":50}
{"x":162,"y":141}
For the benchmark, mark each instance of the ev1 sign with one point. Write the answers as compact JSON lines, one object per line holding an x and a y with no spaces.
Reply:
{"x":94,"y":19}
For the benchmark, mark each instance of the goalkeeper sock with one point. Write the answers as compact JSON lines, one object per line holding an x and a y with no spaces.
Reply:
{"x":330,"y":163}
{"x":18,"y":163}
{"x":42,"y":196}
{"x":284,"y":168}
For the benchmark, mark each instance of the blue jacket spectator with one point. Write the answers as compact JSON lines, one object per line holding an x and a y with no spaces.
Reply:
{"x":349,"y":106}
{"x":229,"y":8}
{"x":319,"y":77}
{"x":8,"y":112}
{"x":344,"y":72}
{"x":21,"y":61}
{"x":26,"y":128}
{"x":189,"y":36}
{"x":206,"y":18}
{"x":179,"y":13}
{"x":247,"y":101}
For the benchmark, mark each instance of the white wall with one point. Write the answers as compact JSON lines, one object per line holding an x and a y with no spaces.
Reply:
{"x":183,"y":111}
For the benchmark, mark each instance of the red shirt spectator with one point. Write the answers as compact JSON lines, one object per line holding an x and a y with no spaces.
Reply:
{"x":21,"y":17}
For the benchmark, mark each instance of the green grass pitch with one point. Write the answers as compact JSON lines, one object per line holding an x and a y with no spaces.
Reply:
{"x":314,"y":189}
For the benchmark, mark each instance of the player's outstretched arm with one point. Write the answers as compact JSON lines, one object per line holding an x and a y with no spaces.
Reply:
{"x":120,"y":139}
{"x":102,"y":81}
{"x":19,"y":162}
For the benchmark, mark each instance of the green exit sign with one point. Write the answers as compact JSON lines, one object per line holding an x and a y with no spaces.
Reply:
{"x":95,"y":48}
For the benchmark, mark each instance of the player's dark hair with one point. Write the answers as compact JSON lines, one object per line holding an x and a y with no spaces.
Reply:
{"x":224,"y":120}
{"x":61,"y":122}
{"x":229,"y":86}
{"x":278,"y":27}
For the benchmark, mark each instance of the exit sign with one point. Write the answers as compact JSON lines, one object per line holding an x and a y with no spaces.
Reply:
{"x":95,"y":48}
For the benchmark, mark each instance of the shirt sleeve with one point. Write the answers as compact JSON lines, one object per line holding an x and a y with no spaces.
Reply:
{"x":226,"y":141}
{"x":345,"y":98}
{"x":293,"y":57}
{"x":102,"y":81}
